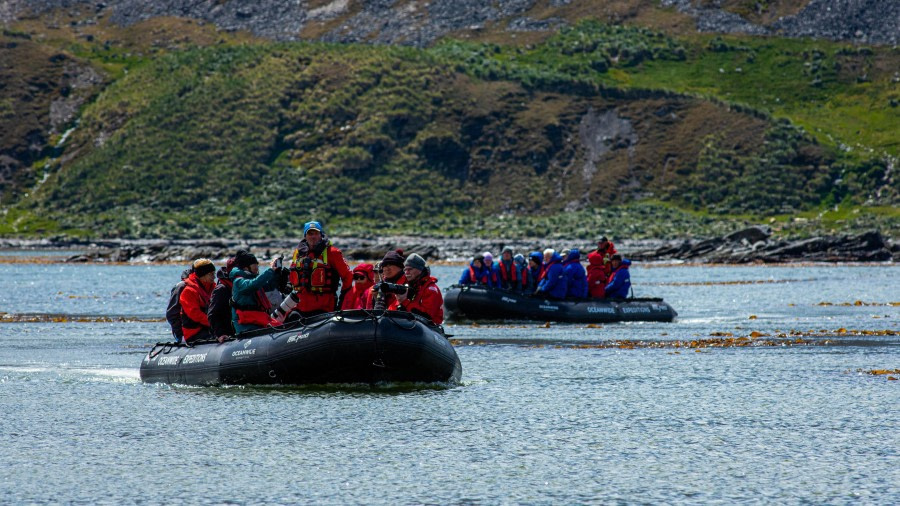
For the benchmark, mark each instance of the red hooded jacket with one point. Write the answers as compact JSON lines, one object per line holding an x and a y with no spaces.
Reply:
{"x":427,"y":300}
{"x":355,"y":297}
{"x":194,"y":303}
{"x":597,"y":275}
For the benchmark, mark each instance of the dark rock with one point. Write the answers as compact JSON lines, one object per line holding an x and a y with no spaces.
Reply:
{"x":752,"y":235}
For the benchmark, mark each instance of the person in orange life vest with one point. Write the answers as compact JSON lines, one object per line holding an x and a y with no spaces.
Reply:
{"x":317,"y":269}
{"x":476,"y":273}
{"x":392,"y":272}
{"x":605,"y":250}
{"x":249,"y":305}
{"x":194,"y":300}
{"x":423,"y":296}
{"x":597,"y":276}
{"x":506,"y":271}
{"x":363,"y":278}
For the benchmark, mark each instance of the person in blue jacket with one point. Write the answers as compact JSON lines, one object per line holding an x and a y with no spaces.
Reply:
{"x":620,"y":280}
{"x":524,"y":275}
{"x":476,"y":273}
{"x":553,"y":279}
{"x":576,"y":276}
{"x":535,"y":259}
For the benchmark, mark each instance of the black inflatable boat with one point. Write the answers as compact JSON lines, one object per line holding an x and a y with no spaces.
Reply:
{"x":344,"y":347}
{"x":478,"y":302}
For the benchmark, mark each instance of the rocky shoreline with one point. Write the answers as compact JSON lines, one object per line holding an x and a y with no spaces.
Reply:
{"x":752,"y":245}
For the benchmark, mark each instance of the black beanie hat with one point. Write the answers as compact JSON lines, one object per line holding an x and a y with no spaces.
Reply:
{"x":393,"y":258}
{"x":244,"y":259}
{"x":202,"y":267}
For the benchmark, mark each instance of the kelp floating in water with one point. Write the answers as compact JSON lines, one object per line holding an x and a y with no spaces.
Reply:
{"x":734,"y":282}
{"x":859,"y":303}
{"x":715,"y":340}
{"x":892,"y":374}
{"x":70,"y":318}
{"x":628,"y":344}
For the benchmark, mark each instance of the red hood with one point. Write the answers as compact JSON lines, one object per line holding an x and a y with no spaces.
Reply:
{"x":367,"y":269}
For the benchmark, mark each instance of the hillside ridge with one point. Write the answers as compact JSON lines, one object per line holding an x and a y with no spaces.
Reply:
{"x":421,"y":23}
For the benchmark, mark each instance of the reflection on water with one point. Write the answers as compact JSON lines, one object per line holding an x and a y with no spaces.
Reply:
{"x":544,"y":414}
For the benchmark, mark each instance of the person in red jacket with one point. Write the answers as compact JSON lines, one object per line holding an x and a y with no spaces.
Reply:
{"x":605,"y":250}
{"x":317,"y":270}
{"x":363,"y":279}
{"x":423,"y":296}
{"x":597,"y":275}
{"x":194,"y":300}
{"x":391,"y":271}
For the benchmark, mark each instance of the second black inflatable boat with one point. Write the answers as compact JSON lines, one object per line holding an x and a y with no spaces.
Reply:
{"x":481,"y":303}
{"x":344,"y":347}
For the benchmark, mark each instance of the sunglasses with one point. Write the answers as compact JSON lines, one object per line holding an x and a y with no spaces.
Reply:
{"x":359,"y":276}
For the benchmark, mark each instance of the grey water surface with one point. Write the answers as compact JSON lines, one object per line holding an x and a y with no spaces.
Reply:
{"x":534,"y":421}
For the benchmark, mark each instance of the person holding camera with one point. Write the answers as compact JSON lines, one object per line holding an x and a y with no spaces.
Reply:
{"x":249,"y":305}
{"x":390,"y":270}
{"x":422,"y":297}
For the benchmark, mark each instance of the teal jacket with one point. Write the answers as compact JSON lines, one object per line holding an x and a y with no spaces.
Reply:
{"x":247,"y":291}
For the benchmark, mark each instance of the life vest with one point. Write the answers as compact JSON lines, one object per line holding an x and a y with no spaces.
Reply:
{"x":474,"y":277}
{"x":546,"y":268}
{"x":313,"y":274}
{"x":513,"y":277}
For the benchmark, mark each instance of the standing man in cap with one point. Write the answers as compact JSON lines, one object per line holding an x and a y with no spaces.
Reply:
{"x":423,"y":297}
{"x":317,"y":270}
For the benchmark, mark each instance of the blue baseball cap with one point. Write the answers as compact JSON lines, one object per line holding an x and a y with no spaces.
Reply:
{"x":312,"y":225}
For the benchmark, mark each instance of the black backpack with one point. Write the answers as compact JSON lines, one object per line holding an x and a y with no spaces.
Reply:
{"x":173,"y":311}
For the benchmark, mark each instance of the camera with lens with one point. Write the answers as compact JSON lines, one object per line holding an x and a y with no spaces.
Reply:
{"x":385,"y":287}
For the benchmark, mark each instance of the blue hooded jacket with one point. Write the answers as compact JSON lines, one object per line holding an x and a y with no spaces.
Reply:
{"x":576,"y":276}
{"x":554,"y":283}
{"x":244,"y":292}
{"x":482,"y":275}
{"x":534,"y":273}
{"x":620,"y":282}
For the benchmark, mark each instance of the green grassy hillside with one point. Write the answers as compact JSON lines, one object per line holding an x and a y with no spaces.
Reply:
{"x":598,"y":127}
